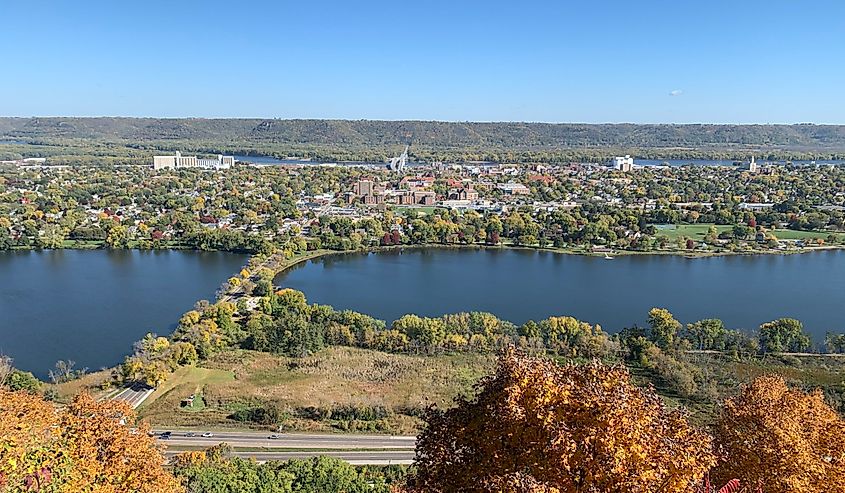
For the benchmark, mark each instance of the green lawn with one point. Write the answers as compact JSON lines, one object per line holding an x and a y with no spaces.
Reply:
{"x":791,"y":234}
{"x":694,"y":231}
{"x":698,"y":231}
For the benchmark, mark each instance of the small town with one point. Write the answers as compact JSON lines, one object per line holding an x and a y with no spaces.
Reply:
{"x":422,"y":247}
{"x":613,"y":206}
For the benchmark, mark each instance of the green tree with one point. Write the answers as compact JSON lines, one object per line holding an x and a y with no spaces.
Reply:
{"x":706,"y":334}
{"x":23,"y":380}
{"x":783,"y":335}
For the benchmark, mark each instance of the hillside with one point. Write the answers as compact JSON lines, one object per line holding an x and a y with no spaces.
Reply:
{"x":427,"y":133}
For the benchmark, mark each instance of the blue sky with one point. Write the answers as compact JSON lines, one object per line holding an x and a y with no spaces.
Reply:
{"x":740,"y":61}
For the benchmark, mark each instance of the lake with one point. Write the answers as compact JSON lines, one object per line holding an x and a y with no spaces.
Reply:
{"x":519,"y":285}
{"x":91,"y":306}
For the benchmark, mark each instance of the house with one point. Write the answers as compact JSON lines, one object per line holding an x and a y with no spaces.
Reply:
{"x":754,"y":206}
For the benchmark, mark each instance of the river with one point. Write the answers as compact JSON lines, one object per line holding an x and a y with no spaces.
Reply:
{"x":90,"y":306}
{"x":518,"y":285}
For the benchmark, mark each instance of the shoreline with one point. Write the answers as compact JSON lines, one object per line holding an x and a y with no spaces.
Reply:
{"x":314,"y":254}
{"x":85,"y":246}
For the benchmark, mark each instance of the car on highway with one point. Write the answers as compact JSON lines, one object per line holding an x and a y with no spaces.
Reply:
{"x":190,"y":434}
{"x":274,"y":437}
{"x":166,"y":435}
{"x":207,"y":434}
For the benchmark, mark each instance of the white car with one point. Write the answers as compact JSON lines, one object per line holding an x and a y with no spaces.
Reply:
{"x":207,"y":434}
{"x":274,"y":437}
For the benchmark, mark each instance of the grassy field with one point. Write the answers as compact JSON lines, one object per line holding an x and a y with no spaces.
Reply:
{"x":791,"y":234}
{"x":337,"y":376}
{"x":189,"y":380}
{"x":694,"y":231}
{"x":698,"y":231}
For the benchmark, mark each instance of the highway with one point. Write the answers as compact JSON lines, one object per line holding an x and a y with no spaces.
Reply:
{"x":356,"y":449}
{"x":134,"y":395}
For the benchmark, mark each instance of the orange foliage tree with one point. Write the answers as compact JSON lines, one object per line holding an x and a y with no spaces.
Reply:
{"x":85,"y":447}
{"x":538,"y":426}
{"x":777,"y":439}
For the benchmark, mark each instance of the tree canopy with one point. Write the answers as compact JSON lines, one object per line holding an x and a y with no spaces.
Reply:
{"x":85,"y":447}
{"x":562,"y":428}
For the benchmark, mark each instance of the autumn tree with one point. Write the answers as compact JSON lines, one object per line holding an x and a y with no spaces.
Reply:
{"x":87,"y":447}
{"x":780,"y":439}
{"x":573,"y":429}
{"x":571,"y":337}
{"x":663,"y":328}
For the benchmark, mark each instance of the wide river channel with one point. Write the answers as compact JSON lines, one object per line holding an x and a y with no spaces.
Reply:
{"x":519,"y":285}
{"x":90,"y":306}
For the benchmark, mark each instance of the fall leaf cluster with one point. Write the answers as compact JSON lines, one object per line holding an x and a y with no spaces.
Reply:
{"x":539,"y":427}
{"x":566,"y":428}
{"x":85,"y":447}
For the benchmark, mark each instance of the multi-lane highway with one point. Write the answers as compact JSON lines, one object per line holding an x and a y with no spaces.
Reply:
{"x":356,"y":449}
{"x":134,"y":395}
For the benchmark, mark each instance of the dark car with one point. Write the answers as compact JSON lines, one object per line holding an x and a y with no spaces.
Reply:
{"x":166,"y":435}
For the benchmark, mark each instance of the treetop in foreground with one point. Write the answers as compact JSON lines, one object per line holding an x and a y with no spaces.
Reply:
{"x":564,"y":428}
{"x":781,"y":439}
{"x":85,"y":447}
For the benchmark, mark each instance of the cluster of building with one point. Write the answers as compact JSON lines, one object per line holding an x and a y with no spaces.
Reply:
{"x":178,"y":161}
{"x":370,"y":192}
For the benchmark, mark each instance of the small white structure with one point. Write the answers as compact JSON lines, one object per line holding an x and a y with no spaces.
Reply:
{"x":751,"y":167}
{"x":179,"y":161}
{"x":621,"y":163}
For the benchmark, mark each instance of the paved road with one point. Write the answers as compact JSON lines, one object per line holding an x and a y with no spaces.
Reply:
{"x":134,"y":395}
{"x":249,"y":439}
{"x":355,"y":449}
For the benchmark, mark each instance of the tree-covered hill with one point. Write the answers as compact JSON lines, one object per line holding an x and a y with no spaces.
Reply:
{"x":430,"y":134}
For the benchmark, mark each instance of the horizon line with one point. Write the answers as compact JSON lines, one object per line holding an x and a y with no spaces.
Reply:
{"x":419,"y":120}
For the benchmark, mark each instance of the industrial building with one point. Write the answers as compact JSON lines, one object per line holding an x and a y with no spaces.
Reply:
{"x":179,"y":161}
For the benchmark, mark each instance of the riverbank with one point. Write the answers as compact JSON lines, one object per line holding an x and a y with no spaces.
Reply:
{"x":281,"y":266}
{"x":586,"y":250}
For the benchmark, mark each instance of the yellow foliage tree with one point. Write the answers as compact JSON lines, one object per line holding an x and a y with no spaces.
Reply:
{"x":571,"y":429}
{"x":780,"y":439}
{"x":86,"y":447}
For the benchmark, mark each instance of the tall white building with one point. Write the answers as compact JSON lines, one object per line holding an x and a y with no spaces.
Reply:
{"x":625,"y":163}
{"x":179,"y":161}
{"x":398,"y":163}
{"x":752,"y":166}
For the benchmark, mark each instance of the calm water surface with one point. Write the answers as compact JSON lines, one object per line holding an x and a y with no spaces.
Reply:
{"x":90,"y":306}
{"x":517,"y":285}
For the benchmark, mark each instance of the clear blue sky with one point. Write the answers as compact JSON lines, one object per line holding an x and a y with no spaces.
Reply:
{"x":738,"y":61}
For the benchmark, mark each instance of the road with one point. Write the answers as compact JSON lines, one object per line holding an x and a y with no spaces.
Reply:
{"x":134,"y":395}
{"x":356,"y":449}
{"x":245,"y":439}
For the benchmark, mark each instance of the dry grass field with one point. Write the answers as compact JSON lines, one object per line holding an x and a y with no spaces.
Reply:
{"x":378,"y":392}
